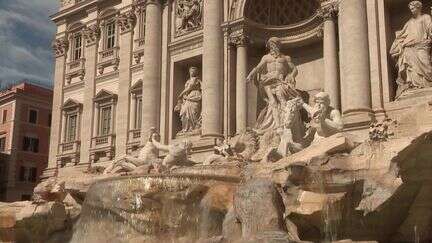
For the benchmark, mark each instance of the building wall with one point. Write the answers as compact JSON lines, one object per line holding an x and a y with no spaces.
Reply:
{"x":19,"y":100}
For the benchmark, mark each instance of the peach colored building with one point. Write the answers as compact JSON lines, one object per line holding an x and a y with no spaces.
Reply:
{"x":25,"y":120}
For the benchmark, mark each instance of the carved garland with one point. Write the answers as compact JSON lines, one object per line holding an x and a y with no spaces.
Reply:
{"x":126,"y":21}
{"x":60,"y":46}
{"x":91,"y":34}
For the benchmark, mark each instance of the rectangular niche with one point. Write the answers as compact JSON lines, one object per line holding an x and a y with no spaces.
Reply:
{"x":179,"y":78}
{"x":397,"y":14}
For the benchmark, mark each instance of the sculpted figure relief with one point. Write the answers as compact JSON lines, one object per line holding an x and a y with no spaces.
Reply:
{"x":326,"y":120}
{"x":275,"y":74}
{"x":189,"y":13}
{"x":148,"y":156}
{"x":412,"y":49}
{"x":189,"y":104}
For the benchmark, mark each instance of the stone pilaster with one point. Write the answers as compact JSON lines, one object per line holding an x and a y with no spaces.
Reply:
{"x":241,"y":41}
{"x":330,"y":50}
{"x":91,"y":39}
{"x":152,"y":68}
{"x":212,"y":69}
{"x":60,"y":47}
{"x":355,"y":66}
{"x":126,"y":22}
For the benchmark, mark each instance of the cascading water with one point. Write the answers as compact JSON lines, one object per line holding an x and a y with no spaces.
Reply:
{"x":165,"y":208}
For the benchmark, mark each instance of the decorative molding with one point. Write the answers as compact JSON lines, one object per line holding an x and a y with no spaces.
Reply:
{"x":91,"y":34}
{"x":126,"y":21}
{"x":60,"y":46}
{"x":185,"y":45}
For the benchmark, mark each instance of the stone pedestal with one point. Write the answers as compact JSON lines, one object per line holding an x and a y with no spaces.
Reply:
{"x":152,"y":68}
{"x":354,"y":51}
{"x":212,"y":86}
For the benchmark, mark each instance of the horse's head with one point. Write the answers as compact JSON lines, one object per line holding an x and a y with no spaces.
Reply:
{"x":291,"y":111}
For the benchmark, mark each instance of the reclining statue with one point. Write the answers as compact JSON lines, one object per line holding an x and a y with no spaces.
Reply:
{"x":148,"y":156}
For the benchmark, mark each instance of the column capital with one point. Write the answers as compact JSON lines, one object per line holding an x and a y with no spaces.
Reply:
{"x":60,"y":46}
{"x":126,"y":21}
{"x":91,"y":34}
{"x":329,"y":11}
{"x":239,"y":40}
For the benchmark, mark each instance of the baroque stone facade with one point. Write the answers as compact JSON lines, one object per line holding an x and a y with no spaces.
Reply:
{"x":123,"y":68}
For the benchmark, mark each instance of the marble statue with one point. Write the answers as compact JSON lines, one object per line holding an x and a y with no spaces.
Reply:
{"x":177,"y":153}
{"x":291,"y":134}
{"x":411,"y":49}
{"x":147,"y":155}
{"x":189,"y":12}
{"x":325,"y":120}
{"x":276,"y":75}
{"x":189,"y":104}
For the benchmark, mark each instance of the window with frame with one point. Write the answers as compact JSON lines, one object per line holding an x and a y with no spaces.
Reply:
{"x":72,"y":121}
{"x":105,"y":121}
{"x":141,"y":28}
{"x":77,"y":47}
{"x":33,"y":115}
{"x":110,"y":29}
{"x":138,"y":112}
{"x":2,"y":144}
{"x":28,"y":174}
{"x":4,"y":116}
{"x":31,"y":144}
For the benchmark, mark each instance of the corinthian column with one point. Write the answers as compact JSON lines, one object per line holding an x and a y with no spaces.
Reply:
{"x":60,"y":47}
{"x":91,"y":38}
{"x":353,"y":32}
{"x":212,"y":69}
{"x":331,"y":67}
{"x":152,"y":68}
{"x":241,"y":42}
{"x":126,"y":22}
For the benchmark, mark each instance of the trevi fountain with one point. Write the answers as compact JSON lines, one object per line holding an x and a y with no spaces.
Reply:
{"x":298,"y":174}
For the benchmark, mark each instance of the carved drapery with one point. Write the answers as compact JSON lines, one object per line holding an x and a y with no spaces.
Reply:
{"x":60,"y":46}
{"x":126,"y":21}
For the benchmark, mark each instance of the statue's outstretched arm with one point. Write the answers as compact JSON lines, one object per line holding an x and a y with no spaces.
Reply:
{"x":335,"y":122}
{"x":256,"y":70}
{"x":159,"y":145}
{"x":293,"y":67}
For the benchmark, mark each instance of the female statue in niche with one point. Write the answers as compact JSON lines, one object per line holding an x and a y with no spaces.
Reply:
{"x":189,"y":104}
{"x":412,"y":49}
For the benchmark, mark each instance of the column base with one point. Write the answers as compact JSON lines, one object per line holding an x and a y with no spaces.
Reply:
{"x":358,"y":118}
{"x":213,"y":135}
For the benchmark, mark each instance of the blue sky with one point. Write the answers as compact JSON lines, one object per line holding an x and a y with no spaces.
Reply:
{"x":26,"y":34}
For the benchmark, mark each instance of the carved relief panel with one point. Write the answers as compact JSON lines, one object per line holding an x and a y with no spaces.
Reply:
{"x":189,"y":15}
